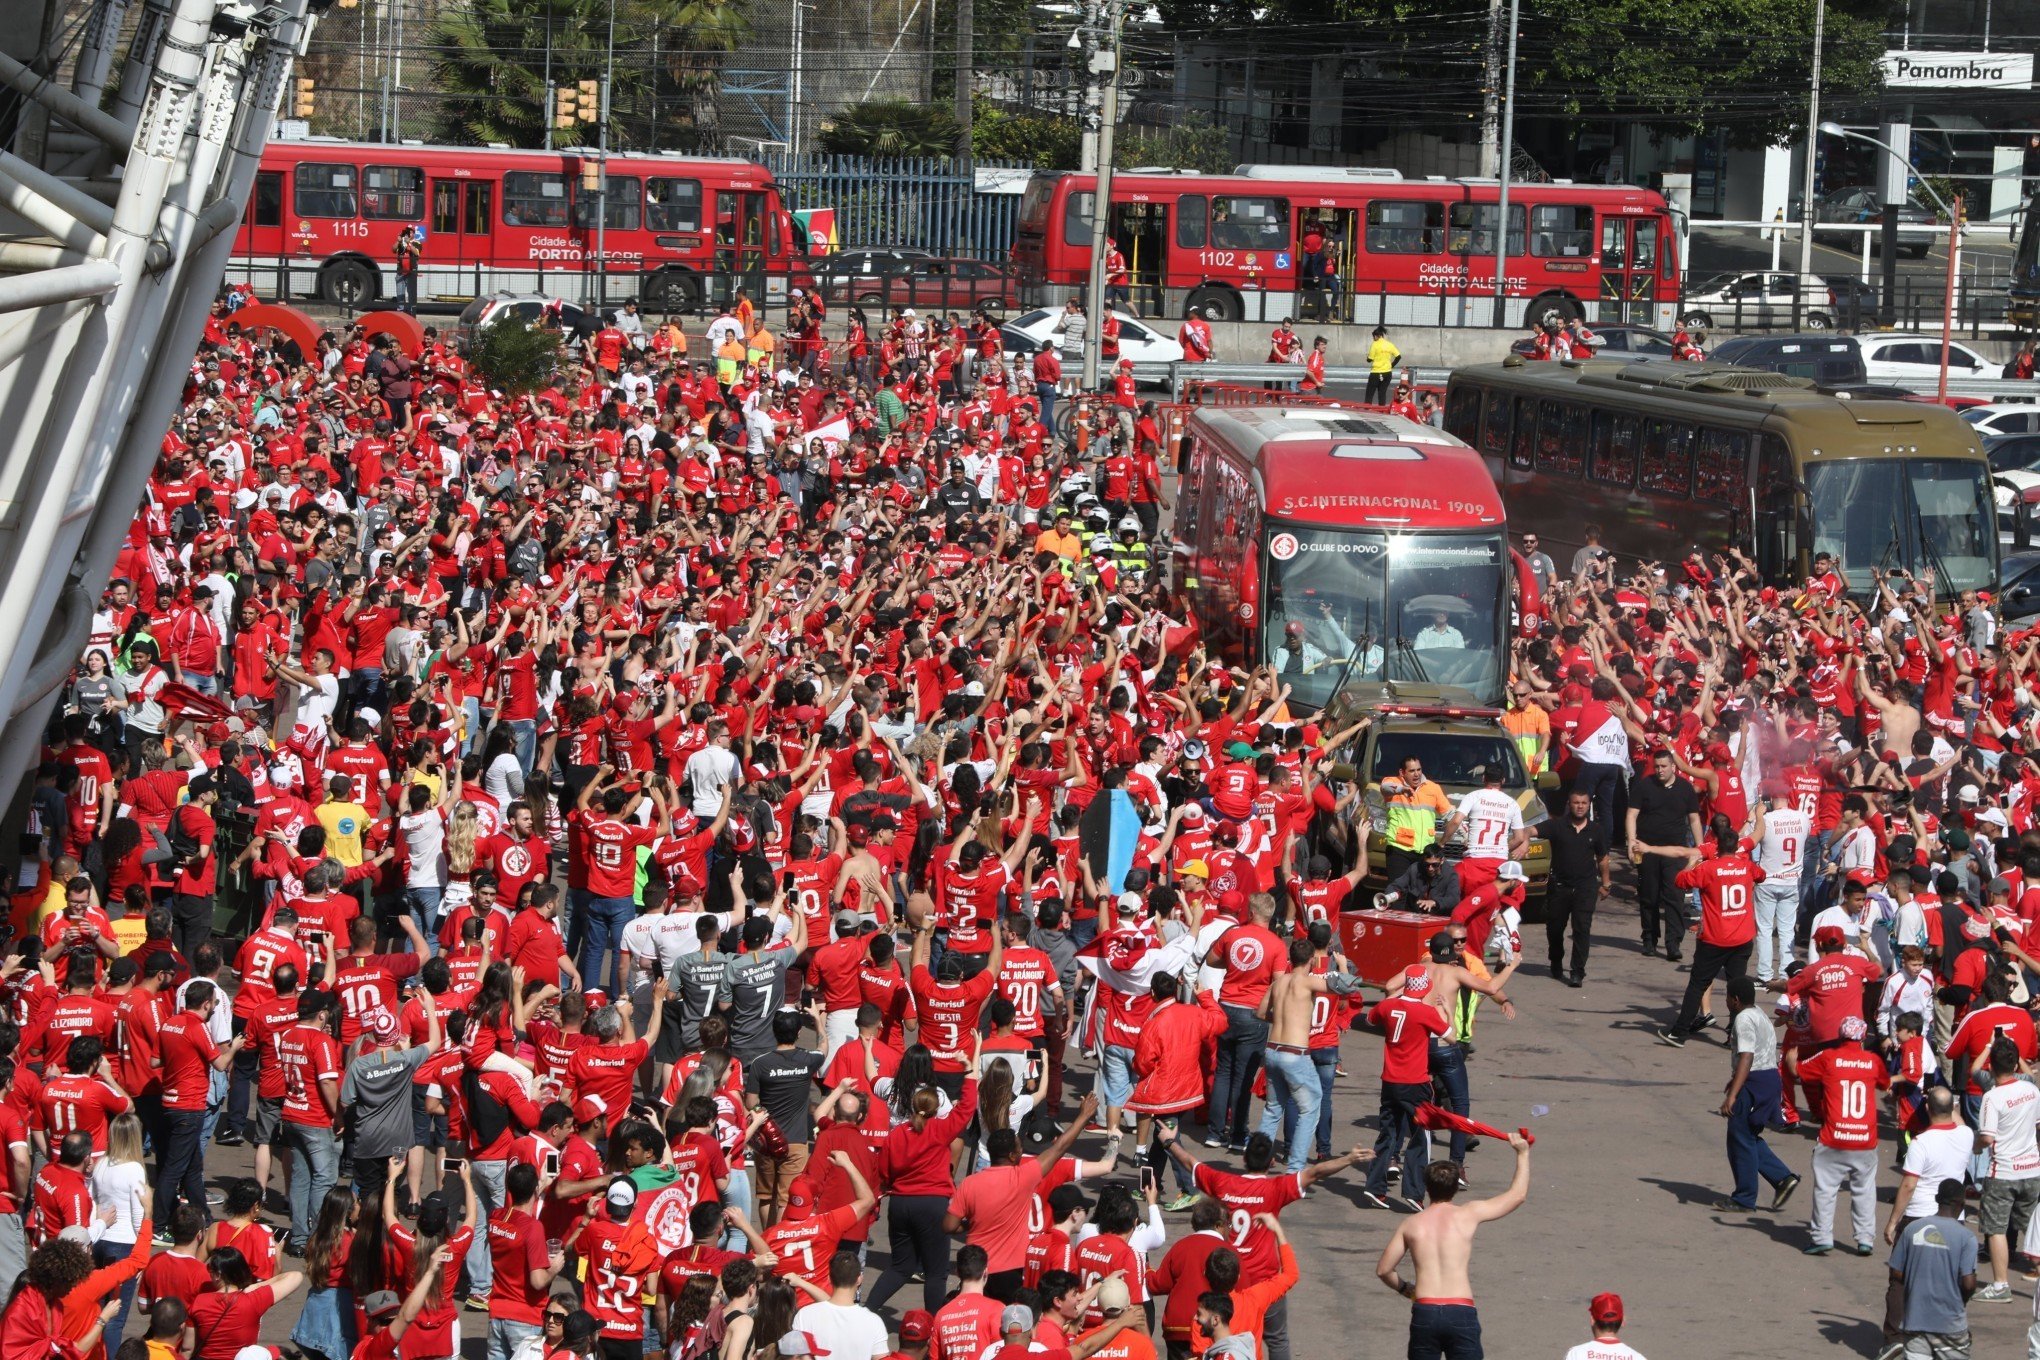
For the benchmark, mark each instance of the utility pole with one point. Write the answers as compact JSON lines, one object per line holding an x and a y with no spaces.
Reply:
{"x":1491,"y":97}
{"x":1806,"y":180}
{"x":1105,"y":63}
{"x":966,"y":65}
{"x":602,"y":169}
{"x":1086,"y":38}
{"x":1505,"y":161}
{"x":549,"y":96}
{"x":793,"y":84}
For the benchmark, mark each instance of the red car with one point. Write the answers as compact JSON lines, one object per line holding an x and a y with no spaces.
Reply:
{"x":929,"y":283}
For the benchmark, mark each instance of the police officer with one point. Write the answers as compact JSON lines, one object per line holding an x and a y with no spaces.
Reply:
{"x":1130,"y":554}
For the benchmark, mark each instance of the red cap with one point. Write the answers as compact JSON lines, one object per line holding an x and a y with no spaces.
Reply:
{"x":918,"y":1325}
{"x":1233,"y":902}
{"x":589,"y":1107}
{"x":1606,"y":1309}
{"x":1829,"y":935}
{"x":800,"y":1200}
{"x":1866,"y":877}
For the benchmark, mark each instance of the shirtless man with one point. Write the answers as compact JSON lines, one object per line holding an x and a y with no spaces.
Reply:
{"x":1443,"y":1322}
{"x":1286,"y":1008}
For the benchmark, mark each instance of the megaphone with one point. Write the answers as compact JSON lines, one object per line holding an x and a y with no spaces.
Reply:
{"x":1383,"y":900}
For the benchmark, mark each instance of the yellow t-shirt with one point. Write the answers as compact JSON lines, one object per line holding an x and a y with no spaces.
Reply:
{"x":1382,"y":355}
{"x":129,"y":932}
{"x":345,"y":825}
{"x":51,"y":905}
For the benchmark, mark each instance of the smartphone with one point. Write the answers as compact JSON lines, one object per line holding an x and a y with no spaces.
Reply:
{"x":1147,"y":1181}
{"x":451,"y":1166}
{"x":1033,"y":1068}
{"x":552,"y":1163}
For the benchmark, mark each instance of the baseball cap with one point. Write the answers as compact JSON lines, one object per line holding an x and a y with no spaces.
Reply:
{"x":847,"y":920}
{"x":1131,"y":901}
{"x":1512,"y":871}
{"x":1606,"y":1308}
{"x":918,"y":1325}
{"x":1018,"y":1317}
{"x":1196,"y":868}
{"x":622,"y":1193}
{"x":589,"y":1107}
{"x":1233,"y":902}
{"x":1970,"y":794}
{"x":1416,"y":980}
{"x":800,"y":1200}
{"x":1112,"y":1297}
{"x":1829,"y":935}
{"x":381,"y":1302}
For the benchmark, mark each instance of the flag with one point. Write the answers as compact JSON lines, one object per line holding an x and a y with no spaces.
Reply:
{"x":820,"y":226}
{"x":1107,"y":834}
{"x":1438,"y":1117}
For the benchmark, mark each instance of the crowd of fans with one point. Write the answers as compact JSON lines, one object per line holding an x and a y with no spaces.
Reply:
{"x":652,"y":816}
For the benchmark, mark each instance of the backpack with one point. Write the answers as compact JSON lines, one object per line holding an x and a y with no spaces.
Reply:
{"x":184,"y":846}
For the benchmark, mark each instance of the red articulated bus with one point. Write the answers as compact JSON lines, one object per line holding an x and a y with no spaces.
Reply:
{"x":1403,"y":251}
{"x":324,"y":216}
{"x":1341,"y":544}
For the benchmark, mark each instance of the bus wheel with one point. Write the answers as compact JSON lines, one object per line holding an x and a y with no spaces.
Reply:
{"x":1553,"y":307}
{"x":347,"y":283}
{"x":673,"y":291}
{"x":1214,"y":304}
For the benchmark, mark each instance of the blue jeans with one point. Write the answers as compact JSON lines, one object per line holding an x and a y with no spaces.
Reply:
{"x":424,"y":907}
{"x":1115,"y":1075}
{"x":1749,"y":1156}
{"x":1045,"y":394}
{"x":1239,"y":1055}
{"x":104,"y":1254}
{"x":1448,"y":1064}
{"x":1326,"y":1060}
{"x":506,"y":1336}
{"x":607,"y":916}
{"x":738,"y":1196}
{"x":471,"y":709}
{"x":314,"y":1169}
{"x":1400,"y":1136}
{"x":1444,"y":1331}
{"x":488,"y":1179}
{"x":525,"y":730}
{"x":180,"y":1166}
{"x":1292,"y":1080}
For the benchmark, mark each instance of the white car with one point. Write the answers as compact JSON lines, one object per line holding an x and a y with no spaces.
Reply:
{"x":2003,"y":417}
{"x":1138,"y":340}
{"x":1917,"y":358}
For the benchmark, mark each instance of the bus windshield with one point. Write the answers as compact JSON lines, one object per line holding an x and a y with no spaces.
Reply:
{"x":1918,"y":514}
{"x":1416,"y":608}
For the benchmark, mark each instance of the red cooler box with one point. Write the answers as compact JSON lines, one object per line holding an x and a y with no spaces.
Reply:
{"x":1383,"y":943}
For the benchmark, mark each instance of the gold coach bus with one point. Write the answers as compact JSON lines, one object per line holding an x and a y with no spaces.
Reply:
{"x":1667,"y":457}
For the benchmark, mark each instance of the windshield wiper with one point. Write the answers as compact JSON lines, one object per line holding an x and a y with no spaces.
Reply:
{"x":1405,"y":651}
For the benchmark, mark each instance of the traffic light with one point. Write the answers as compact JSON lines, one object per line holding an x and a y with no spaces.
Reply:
{"x":306,"y":88}
{"x":589,"y":101}
{"x":591,"y":177}
{"x":564,"y":100}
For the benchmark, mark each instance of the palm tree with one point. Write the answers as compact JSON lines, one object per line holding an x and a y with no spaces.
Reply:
{"x":891,"y":127}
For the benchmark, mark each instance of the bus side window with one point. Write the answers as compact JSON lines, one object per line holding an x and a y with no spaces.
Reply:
{"x":1525,"y":439}
{"x":1077,"y":210}
{"x":673,"y":204}
{"x":325,"y":190}
{"x":1557,"y":455}
{"x":393,"y":193}
{"x":1191,"y":214}
{"x":1721,"y":466}
{"x":1667,"y":458}
{"x":1494,"y":431}
{"x":1462,"y":414}
{"x":531,"y":199}
{"x":1612,"y":461}
{"x":265,"y":205}
{"x":1403,"y":227}
{"x":1561,"y":230}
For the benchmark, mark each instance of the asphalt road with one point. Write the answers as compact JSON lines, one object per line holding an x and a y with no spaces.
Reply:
{"x":1628,"y":1160}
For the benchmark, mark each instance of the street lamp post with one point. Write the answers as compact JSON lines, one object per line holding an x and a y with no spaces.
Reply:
{"x":1954,"y":240}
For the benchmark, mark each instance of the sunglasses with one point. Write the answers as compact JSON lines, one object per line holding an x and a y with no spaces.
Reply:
{"x":559,"y":1319}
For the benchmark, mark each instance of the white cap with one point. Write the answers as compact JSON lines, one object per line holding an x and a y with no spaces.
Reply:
{"x":1512,"y":872}
{"x":1131,"y":901}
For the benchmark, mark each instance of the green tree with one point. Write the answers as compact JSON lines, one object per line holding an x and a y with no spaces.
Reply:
{"x":1192,"y":143}
{"x":890,"y":127}
{"x":516,"y":356}
{"x":492,"y":57}
{"x":1026,"y":138}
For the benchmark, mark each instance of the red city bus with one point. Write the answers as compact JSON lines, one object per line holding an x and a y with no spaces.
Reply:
{"x":1337,"y":544}
{"x":324,"y":216}
{"x":1411,"y":252}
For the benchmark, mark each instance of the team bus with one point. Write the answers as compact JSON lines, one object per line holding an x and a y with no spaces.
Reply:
{"x":1344,"y":545}
{"x":1668,"y":458}
{"x":323,"y":219}
{"x":1419,"y":252}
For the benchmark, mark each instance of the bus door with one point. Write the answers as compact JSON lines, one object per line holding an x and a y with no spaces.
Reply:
{"x":1142,"y":232}
{"x":1629,"y":269}
{"x":1324,"y":288}
{"x":263,"y":225}
{"x":743,"y":221}
{"x":460,"y":242}
{"x":1783,"y":533}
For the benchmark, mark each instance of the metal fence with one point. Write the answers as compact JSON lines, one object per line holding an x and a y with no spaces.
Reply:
{"x":919,"y":202}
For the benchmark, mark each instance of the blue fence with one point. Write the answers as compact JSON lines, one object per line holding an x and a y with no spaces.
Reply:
{"x":924,"y":202}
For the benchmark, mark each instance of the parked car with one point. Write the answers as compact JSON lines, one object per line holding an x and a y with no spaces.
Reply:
{"x":576,"y":323}
{"x":1917,"y":358}
{"x":1919,"y":226}
{"x":1763,"y":299}
{"x":2005,"y":417}
{"x":2018,"y":596}
{"x":841,"y":270}
{"x":2013,"y":453}
{"x":929,"y":282}
{"x":1620,"y":339}
{"x":1829,"y":360}
{"x":1138,"y":340}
